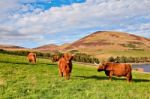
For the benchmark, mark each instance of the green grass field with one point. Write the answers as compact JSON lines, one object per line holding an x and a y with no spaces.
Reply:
{"x":22,"y":80}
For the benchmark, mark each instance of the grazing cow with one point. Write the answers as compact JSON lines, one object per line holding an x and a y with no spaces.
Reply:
{"x":55,"y":58}
{"x":65,"y":65}
{"x":116,"y":69}
{"x":31,"y":57}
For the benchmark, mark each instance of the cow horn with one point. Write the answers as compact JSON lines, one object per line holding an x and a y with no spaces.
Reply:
{"x":96,"y":64}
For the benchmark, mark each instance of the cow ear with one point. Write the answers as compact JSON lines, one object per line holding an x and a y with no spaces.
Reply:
{"x":72,"y":56}
{"x":63,"y":56}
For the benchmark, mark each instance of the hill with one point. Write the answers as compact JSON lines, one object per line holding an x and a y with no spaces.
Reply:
{"x":104,"y":40}
{"x":106,"y":43}
{"x":11,"y":47}
{"x":52,"y":47}
{"x":49,"y":47}
{"x":101,"y":44}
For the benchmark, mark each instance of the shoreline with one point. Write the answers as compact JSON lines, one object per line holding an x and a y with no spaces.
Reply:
{"x":93,"y":65}
{"x":148,"y":63}
{"x":139,"y":63}
{"x":141,"y":72}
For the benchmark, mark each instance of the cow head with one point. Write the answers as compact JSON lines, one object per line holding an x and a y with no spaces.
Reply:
{"x":105,"y":66}
{"x":55,"y":58}
{"x":68,"y":57}
{"x":101,"y":67}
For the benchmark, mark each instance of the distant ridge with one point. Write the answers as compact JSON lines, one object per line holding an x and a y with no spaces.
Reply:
{"x":102,"y":40}
{"x":101,"y":44}
{"x":11,"y":47}
{"x":109,"y":40}
{"x":48,"y":47}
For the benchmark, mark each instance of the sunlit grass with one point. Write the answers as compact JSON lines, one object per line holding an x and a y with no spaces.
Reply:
{"x":22,"y":80}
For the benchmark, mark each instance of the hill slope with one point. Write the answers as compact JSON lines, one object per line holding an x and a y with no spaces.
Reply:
{"x":104,"y":40}
{"x":49,"y":47}
{"x":104,"y":44}
{"x":11,"y":47}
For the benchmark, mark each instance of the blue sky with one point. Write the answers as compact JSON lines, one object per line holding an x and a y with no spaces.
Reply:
{"x":32,"y":23}
{"x":47,"y":4}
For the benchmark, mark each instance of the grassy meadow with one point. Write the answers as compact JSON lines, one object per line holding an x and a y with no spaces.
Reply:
{"x":22,"y":80}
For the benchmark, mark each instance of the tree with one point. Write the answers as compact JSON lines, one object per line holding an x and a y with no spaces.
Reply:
{"x":111,"y":59}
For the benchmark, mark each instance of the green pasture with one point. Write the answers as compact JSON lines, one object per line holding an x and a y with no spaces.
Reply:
{"x":22,"y":80}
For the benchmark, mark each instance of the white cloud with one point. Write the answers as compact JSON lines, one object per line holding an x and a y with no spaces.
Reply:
{"x":93,"y":14}
{"x":85,"y":15}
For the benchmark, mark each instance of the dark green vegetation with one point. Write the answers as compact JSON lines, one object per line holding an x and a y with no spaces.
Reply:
{"x":25,"y":53}
{"x":124,"y":59}
{"x":80,"y":57}
{"x":22,"y":80}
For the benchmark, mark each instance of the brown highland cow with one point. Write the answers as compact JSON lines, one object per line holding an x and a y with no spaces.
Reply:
{"x":31,"y":57}
{"x":65,"y":65}
{"x":116,"y":69}
{"x":55,"y":58}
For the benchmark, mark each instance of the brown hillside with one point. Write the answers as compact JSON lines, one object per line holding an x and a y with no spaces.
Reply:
{"x":11,"y":47}
{"x":104,"y":40}
{"x":104,"y":44}
{"x":52,"y":47}
{"x":49,"y":47}
{"x":63,"y":46}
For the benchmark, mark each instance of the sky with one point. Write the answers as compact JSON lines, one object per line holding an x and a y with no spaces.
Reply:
{"x":32,"y":23}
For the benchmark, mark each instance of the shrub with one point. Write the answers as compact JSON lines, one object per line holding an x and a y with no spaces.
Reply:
{"x":82,"y":57}
{"x":124,"y":59}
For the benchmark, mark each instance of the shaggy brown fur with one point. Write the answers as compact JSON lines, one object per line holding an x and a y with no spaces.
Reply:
{"x":65,"y":65}
{"x":116,"y":69}
{"x":55,"y":58}
{"x":32,"y":57}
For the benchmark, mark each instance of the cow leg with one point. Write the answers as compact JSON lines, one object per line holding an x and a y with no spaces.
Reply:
{"x":110,"y":75}
{"x":67,"y":75}
{"x":33,"y":62}
{"x":30,"y":60}
{"x":129,"y":77}
{"x":60,"y":73}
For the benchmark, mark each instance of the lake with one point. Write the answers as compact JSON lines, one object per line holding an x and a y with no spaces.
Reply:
{"x":146,"y":67}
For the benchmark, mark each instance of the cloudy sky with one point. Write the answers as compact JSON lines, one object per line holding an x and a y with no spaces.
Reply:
{"x":31,"y":23}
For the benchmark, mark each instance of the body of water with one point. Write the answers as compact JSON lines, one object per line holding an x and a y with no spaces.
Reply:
{"x":146,"y":67}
